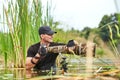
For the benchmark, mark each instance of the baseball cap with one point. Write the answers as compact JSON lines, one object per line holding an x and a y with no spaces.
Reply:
{"x":46,"y":30}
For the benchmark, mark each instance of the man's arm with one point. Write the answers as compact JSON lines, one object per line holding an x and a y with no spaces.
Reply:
{"x":31,"y":61}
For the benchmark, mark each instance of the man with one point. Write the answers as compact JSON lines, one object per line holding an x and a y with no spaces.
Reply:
{"x":37,"y":56}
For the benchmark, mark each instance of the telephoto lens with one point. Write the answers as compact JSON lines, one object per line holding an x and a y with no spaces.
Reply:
{"x":80,"y":49}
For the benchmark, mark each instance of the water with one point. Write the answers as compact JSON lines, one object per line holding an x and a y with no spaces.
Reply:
{"x":76,"y":69}
{"x":12,"y":74}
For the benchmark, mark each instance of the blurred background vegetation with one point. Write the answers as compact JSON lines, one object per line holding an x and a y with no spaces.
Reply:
{"x":23,"y":19}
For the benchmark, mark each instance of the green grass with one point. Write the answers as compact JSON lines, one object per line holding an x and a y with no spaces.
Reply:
{"x":23,"y":22}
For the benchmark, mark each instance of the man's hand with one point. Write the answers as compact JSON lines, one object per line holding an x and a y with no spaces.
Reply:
{"x":71,"y":45}
{"x":80,"y":49}
{"x":42,"y":50}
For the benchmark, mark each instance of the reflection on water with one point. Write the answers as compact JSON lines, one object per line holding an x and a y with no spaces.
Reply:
{"x":75,"y":68}
{"x":12,"y":74}
{"x":35,"y":73}
{"x":22,"y":73}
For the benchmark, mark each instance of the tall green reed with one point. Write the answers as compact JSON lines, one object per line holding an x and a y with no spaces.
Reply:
{"x":23,"y":18}
{"x":112,"y":41}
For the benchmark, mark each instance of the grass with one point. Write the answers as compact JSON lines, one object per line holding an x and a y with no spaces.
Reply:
{"x":23,"y":20}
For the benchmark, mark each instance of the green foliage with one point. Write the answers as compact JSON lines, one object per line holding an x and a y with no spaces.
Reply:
{"x":64,"y":37}
{"x":86,"y":32}
{"x":111,"y":20}
{"x":23,"y":20}
{"x":110,"y":31}
{"x":100,"y":52}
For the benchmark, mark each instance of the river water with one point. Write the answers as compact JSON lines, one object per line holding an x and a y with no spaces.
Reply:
{"x":76,"y":68}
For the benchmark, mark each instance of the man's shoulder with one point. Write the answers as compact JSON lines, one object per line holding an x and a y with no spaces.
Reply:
{"x":35,"y":45}
{"x":56,"y":44}
{"x":32,"y":50}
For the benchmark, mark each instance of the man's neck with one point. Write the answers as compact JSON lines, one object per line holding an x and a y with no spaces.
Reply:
{"x":44,"y":43}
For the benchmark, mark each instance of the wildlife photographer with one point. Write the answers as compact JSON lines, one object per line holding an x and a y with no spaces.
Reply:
{"x":42,"y":56}
{"x":37,"y":55}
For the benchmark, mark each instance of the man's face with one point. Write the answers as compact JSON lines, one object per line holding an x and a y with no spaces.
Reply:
{"x":47,"y":38}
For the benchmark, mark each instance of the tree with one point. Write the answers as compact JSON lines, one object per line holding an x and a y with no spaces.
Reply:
{"x":86,"y":32}
{"x":111,"y":20}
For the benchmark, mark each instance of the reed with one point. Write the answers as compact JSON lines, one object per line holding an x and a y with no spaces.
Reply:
{"x":112,"y":41}
{"x":23,"y":18}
